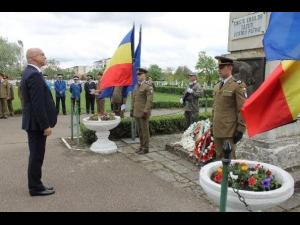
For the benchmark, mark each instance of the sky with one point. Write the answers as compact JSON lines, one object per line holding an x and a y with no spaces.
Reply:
{"x":169,"y":39}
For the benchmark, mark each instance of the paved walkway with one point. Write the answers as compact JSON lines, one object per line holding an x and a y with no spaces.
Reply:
{"x":84,"y":181}
{"x":158,"y":181}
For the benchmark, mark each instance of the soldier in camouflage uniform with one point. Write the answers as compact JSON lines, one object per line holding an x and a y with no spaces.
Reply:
{"x":190,"y":99}
{"x":229,"y":97}
{"x":142,"y":99}
{"x":4,"y":95}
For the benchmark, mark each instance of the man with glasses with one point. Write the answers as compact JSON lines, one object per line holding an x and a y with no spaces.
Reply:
{"x":229,"y":97}
{"x":142,"y":99}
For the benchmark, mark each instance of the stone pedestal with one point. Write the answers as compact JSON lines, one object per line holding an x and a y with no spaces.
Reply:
{"x":280,"y":146}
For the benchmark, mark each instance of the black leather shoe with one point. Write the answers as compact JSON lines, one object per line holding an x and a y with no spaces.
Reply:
{"x":49,"y":188}
{"x":144,"y":151}
{"x":138,"y":150}
{"x":42,"y":193}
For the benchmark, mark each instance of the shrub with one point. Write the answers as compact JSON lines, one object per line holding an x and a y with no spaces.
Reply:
{"x":179,"y":91}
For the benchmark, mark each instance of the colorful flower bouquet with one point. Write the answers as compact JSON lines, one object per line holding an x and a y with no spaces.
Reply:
{"x":243,"y":177}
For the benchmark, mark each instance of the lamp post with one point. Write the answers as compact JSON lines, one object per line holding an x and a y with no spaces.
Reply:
{"x":224,"y":185}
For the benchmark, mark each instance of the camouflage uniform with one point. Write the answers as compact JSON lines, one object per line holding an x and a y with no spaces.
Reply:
{"x":191,"y":102}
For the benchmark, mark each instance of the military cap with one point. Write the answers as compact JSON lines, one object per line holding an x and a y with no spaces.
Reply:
{"x":45,"y":75}
{"x":89,"y":75}
{"x":75,"y":77}
{"x":224,"y":60}
{"x":142,"y":70}
{"x":192,"y":74}
{"x":59,"y":75}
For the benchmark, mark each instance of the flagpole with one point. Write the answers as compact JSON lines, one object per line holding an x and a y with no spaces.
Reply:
{"x":133,"y":131}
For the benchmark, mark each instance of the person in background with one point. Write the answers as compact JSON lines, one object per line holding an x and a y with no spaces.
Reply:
{"x":118,"y":102}
{"x":60,"y":93}
{"x":48,"y":82}
{"x":90,"y":88}
{"x":11,"y":97}
{"x":190,"y":99}
{"x":100,"y":101}
{"x":75,"y":89}
{"x":4,"y":95}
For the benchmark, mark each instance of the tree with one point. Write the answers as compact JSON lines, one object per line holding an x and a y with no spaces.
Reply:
{"x":155,"y":72}
{"x":181,"y":73}
{"x":168,"y":74}
{"x":207,"y":67}
{"x":10,"y":58}
{"x":52,"y":68}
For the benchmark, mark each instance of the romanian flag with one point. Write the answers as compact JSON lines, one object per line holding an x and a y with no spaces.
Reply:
{"x":276,"y":102}
{"x":119,"y":68}
{"x":136,"y":65}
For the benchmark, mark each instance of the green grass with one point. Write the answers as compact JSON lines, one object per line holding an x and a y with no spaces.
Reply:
{"x":158,"y":97}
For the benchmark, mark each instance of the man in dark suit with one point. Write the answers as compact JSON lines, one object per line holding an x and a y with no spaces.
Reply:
{"x":90,"y":87}
{"x":39,"y":117}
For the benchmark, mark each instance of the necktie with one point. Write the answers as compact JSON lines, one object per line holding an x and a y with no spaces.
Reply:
{"x":221,"y":84}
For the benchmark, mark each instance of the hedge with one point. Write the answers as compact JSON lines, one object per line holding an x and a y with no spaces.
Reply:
{"x":167,"y":124}
{"x":179,"y":91}
{"x":166,"y":105}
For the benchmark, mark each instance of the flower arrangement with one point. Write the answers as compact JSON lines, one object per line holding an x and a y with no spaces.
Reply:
{"x":105,"y":116}
{"x":198,"y":141}
{"x":109,"y":116}
{"x":244,"y":177}
{"x":94,"y":117}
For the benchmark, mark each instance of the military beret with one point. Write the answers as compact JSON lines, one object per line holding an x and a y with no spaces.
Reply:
{"x":224,"y":60}
{"x":142,"y":70}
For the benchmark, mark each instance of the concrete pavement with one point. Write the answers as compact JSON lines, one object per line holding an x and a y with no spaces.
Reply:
{"x":84,"y":181}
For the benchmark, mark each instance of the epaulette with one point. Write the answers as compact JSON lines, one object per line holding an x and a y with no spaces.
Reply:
{"x":238,"y":81}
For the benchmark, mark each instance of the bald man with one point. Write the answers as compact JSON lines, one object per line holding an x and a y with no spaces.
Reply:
{"x":39,"y":117}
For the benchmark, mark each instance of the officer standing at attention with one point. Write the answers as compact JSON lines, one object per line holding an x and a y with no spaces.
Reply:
{"x":75,"y":89}
{"x":4,"y":95}
{"x":60,"y":93}
{"x":90,"y":88}
{"x":142,"y":99}
{"x":229,"y":97}
{"x":190,"y":99}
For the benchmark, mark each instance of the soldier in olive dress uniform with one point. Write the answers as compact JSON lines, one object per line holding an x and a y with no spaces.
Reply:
{"x":4,"y":95}
{"x":142,"y":100}
{"x":229,"y":97}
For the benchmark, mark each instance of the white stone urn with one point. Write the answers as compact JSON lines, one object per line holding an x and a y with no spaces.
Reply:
{"x":102,"y":127}
{"x":256,"y":200}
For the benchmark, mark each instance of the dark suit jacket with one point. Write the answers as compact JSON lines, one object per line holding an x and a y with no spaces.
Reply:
{"x":39,"y":110}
